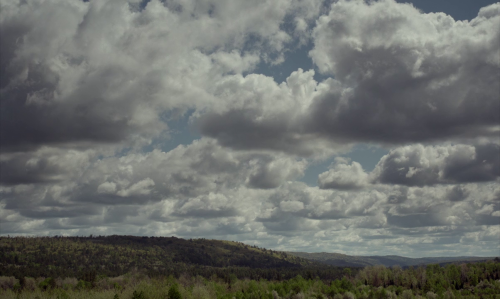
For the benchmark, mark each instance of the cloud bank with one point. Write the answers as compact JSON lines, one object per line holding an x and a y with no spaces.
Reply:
{"x":90,"y":92}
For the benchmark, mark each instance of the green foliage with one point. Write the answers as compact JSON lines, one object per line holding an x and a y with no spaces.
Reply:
{"x":63,"y":295}
{"x":83,"y":285}
{"x":139,"y":295}
{"x":173,"y":292}
{"x":141,"y":287}
{"x":92,"y":258}
{"x":47,"y":284}
{"x":379,"y":293}
{"x":407,"y":294}
{"x":347,"y":272}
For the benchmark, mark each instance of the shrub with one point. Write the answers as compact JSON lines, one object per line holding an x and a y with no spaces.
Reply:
{"x":200,"y":292}
{"x":63,"y":295}
{"x":66,"y":283}
{"x":298,"y":296}
{"x":39,"y":280}
{"x":349,"y":295}
{"x":332,"y":291}
{"x":28,"y":283}
{"x":449,"y":295}
{"x":83,"y":285}
{"x":173,"y":292}
{"x":407,"y":294}
{"x":118,"y":283}
{"x":7,"y":282}
{"x":49,"y":283}
{"x":104,"y":284}
{"x":138,"y":295}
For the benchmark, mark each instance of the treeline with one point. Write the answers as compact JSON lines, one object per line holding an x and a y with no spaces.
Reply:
{"x":432,"y":277}
{"x":473,"y":280}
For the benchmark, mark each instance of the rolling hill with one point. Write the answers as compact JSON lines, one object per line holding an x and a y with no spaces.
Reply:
{"x":163,"y":256}
{"x":155,"y":256}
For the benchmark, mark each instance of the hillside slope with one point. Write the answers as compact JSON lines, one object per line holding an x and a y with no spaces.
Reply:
{"x":343,"y":260}
{"x":116,"y":255}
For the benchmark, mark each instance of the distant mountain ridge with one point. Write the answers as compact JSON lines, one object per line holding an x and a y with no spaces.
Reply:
{"x":344,"y":260}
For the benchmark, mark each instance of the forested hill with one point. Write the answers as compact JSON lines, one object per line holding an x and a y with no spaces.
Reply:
{"x":116,"y":255}
{"x":87,"y":257}
{"x":343,"y":260}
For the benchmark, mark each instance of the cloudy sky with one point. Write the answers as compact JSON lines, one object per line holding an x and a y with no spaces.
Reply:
{"x":359,"y":127}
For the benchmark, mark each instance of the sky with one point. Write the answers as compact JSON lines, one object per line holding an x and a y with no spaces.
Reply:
{"x":358,"y":127}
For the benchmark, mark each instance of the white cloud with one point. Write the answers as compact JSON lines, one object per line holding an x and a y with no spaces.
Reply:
{"x":106,"y":187}
{"x":343,"y":175}
{"x":142,"y":187}
{"x":486,"y":209}
{"x":291,"y":206}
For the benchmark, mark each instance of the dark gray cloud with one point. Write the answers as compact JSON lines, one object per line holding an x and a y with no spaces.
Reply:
{"x":439,"y":84}
{"x":416,"y":220}
{"x":67,"y":212}
{"x":485,"y":166}
{"x":239,"y":129}
{"x":51,"y":92}
{"x":417,"y":165}
{"x":458,"y":193}
{"x":47,"y":165}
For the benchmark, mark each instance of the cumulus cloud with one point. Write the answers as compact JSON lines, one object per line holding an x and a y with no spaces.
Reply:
{"x":291,"y":216}
{"x":406,"y":76}
{"x":102,"y":72}
{"x":343,"y":176}
{"x":107,"y":187}
{"x":207,"y":206}
{"x":418,"y":165}
{"x":257,"y":113}
{"x":185,"y":173}
{"x":47,"y":164}
{"x":400,"y":76}
{"x":271,"y":174}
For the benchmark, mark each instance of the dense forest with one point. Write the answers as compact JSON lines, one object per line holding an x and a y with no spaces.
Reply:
{"x":145,"y":268}
{"x":155,"y":256}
